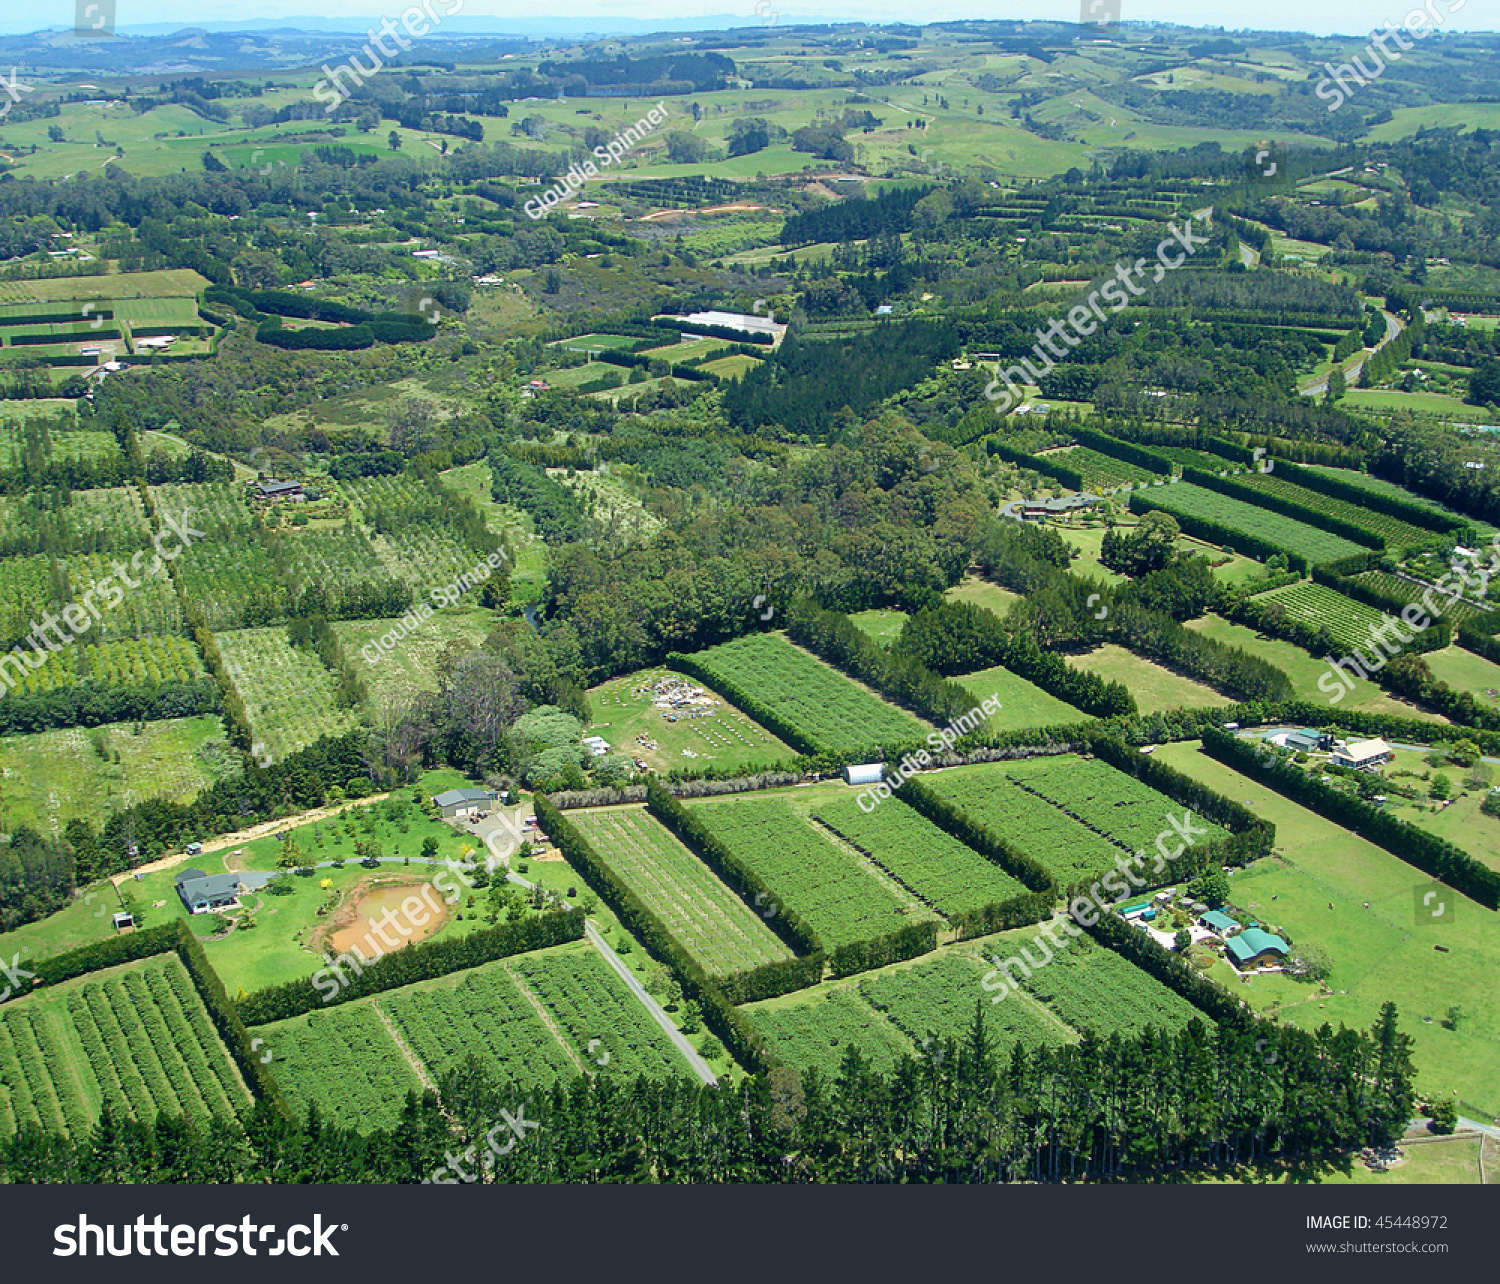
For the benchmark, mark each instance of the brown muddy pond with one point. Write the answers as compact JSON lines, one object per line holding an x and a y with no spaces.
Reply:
{"x":405,"y":912}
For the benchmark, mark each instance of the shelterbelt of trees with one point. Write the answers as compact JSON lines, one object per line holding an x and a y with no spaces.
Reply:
{"x":1122,"y":1107}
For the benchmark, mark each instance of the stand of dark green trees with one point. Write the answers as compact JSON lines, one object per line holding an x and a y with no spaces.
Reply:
{"x":1209,"y":1097}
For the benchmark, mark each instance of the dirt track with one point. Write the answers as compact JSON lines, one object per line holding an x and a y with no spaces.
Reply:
{"x":661,"y":215}
{"x":243,"y":836}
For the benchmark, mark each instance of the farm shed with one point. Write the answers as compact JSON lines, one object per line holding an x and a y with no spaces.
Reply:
{"x":1362,"y":755}
{"x":864,"y":773}
{"x":202,"y":892}
{"x":1253,"y":945}
{"x":279,"y":490}
{"x":1307,"y":740}
{"x":1135,"y":911}
{"x":1218,"y":921}
{"x":458,"y":803}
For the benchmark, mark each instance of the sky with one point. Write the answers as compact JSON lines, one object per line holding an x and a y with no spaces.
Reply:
{"x":1321,"y":17}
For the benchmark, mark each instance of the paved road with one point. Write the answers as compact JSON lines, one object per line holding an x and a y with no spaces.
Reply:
{"x":1393,"y":327}
{"x":700,"y":1066}
{"x":1489,"y":1130}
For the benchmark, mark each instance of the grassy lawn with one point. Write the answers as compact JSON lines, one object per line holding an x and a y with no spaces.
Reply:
{"x":1237,"y":570}
{"x":1443,"y":1161}
{"x":1317,"y":886}
{"x":87,"y":919}
{"x":1461,"y":822}
{"x":165,"y":284}
{"x":1405,"y":121}
{"x":1465,"y":671}
{"x":1153,"y":687}
{"x":1431,"y":402}
{"x":1304,"y":669}
{"x":685,"y":349}
{"x":276,"y":948}
{"x":982,"y":593}
{"x":884,"y":625}
{"x":592,"y":343}
{"x":1088,"y":539}
{"x":1022,"y":703}
{"x":730,"y":367}
{"x":728,"y":739}
{"x":53,"y":777}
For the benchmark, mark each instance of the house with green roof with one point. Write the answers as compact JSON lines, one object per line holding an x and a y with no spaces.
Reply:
{"x":1218,"y":921}
{"x":1255,"y":945}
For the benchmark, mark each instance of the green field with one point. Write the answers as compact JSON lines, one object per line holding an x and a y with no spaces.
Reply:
{"x":289,"y":695}
{"x":843,"y":898}
{"x":734,"y":367}
{"x":1379,"y":486}
{"x":828,"y":708}
{"x":1105,"y":799}
{"x":1100,"y":471}
{"x":913,"y":1008}
{"x":713,"y":925}
{"x":910,"y":1009}
{"x":1304,"y":669}
{"x":1460,"y":819}
{"x":883,"y":624}
{"x":1088,"y":541}
{"x":626,"y":715}
{"x":1022,"y":703}
{"x":1095,"y":989}
{"x":1070,"y":851}
{"x":1155,"y":688}
{"x":1350,"y":624}
{"x":982,"y":593}
{"x":945,"y":873}
{"x":1464,"y":671}
{"x":170,"y":283}
{"x":1396,"y":533}
{"x":52,"y":777}
{"x":817,"y":1030}
{"x":344,"y":1061}
{"x":1188,"y":500}
{"x":599,"y":343}
{"x":528,"y":565}
{"x":531,"y":1020}
{"x":1456,"y":613}
{"x":1432,"y":403}
{"x":135,"y":1037}
{"x":1320,"y":880}
{"x":398,"y":675}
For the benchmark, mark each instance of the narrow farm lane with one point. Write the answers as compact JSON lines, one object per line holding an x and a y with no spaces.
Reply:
{"x":700,"y":1066}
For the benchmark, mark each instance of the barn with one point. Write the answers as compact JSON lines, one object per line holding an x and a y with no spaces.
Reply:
{"x":458,"y":804}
